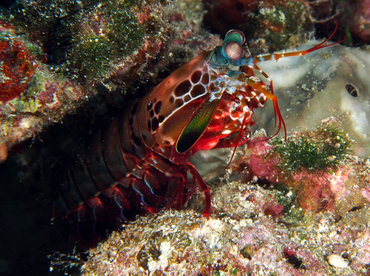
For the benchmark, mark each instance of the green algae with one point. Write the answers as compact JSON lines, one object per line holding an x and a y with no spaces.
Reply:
{"x":115,"y":33}
{"x":322,"y":149}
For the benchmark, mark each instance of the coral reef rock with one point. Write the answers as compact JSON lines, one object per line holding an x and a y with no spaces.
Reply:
{"x":253,"y":230}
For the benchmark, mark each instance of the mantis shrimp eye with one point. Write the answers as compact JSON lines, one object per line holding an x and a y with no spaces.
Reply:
{"x":236,"y":36}
{"x":233,"y":50}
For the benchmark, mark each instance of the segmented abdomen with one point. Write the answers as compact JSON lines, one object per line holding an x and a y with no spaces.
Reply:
{"x":117,"y":177}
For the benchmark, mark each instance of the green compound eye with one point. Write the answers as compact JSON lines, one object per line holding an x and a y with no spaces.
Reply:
{"x":234,"y":35}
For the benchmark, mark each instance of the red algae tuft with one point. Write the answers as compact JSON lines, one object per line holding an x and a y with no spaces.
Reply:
{"x":17,"y":66}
